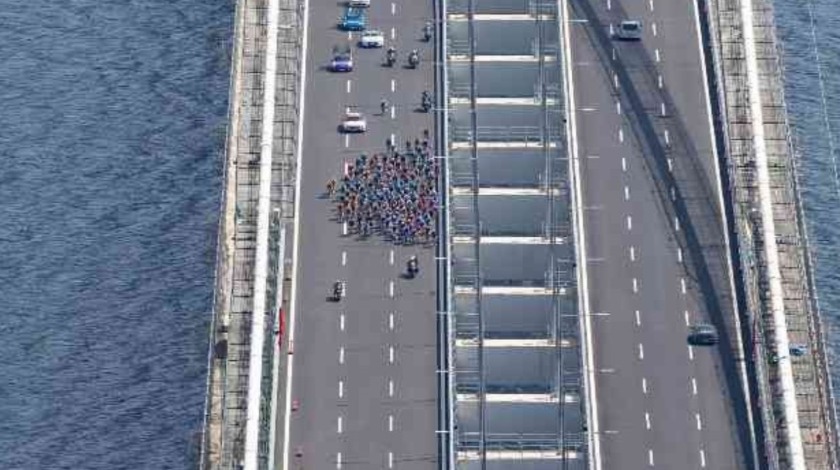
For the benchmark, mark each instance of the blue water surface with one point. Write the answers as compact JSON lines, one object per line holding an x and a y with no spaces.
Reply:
{"x":112,"y":122}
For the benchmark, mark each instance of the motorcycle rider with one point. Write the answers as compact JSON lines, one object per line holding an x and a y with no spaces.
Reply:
{"x":338,"y":290}
{"x":412,"y":266}
{"x":391,"y":55}
{"x":414,"y":58}
{"x":426,"y":100}
{"x":427,"y":31}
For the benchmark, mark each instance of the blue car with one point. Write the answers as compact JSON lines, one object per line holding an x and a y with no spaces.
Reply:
{"x":342,"y":62}
{"x":354,"y":19}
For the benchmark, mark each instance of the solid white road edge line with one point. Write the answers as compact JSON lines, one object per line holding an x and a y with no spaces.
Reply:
{"x":594,"y":437}
{"x":296,"y":244}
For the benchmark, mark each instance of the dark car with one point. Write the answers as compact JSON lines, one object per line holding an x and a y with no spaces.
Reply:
{"x":703,"y":335}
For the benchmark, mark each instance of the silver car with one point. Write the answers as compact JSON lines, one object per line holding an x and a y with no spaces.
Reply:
{"x":629,"y":30}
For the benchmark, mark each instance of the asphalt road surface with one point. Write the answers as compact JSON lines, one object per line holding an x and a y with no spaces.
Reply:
{"x":364,"y":368}
{"x":661,"y":402}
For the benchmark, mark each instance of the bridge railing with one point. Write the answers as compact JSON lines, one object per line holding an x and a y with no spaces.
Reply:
{"x":816,"y":412}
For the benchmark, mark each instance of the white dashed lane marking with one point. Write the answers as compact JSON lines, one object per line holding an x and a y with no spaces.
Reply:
{"x":693,"y":386}
{"x":638,"y":318}
{"x":647,"y":420}
{"x":629,"y":223}
{"x":644,"y":386}
{"x":340,"y":389}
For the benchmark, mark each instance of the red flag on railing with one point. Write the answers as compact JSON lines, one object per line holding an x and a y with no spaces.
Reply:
{"x":281,"y":330}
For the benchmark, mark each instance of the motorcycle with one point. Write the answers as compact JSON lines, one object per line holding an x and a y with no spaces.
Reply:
{"x":426,"y":102}
{"x":412,"y":268}
{"x":427,"y":32}
{"x":391,"y":57}
{"x":413,"y":59}
{"x":338,"y":291}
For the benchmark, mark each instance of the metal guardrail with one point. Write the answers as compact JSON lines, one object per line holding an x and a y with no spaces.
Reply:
{"x":445,"y":337}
